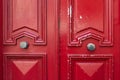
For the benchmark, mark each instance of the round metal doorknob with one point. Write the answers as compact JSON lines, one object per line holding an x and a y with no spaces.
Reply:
{"x":91,"y":46}
{"x":24,"y":44}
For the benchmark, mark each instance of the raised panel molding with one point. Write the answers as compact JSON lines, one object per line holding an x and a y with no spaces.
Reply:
{"x":93,"y":20}
{"x":23,"y":66}
{"x":92,"y":67}
{"x":24,"y":18}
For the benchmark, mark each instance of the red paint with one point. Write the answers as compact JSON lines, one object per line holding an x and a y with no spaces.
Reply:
{"x":89,"y":21}
{"x":34,"y":22}
{"x":28,"y":20}
{"x":90,"y":67}
{"x":58,"y":32}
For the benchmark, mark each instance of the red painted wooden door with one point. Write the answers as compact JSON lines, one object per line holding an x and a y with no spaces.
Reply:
{"x":28,"y":32}
{"x":85,"y":46}
{"x":89,"y":40}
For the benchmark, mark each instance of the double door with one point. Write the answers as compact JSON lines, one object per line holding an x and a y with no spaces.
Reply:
{"x":59,"y":40}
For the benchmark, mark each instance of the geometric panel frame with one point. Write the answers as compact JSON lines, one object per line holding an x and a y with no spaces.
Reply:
{"x":23,"y":66}
{"x":90,"y":67}
{"x":79,"y":31}
{"x":24,"y":18}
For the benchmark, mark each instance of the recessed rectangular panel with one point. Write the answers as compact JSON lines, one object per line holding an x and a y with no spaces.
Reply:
{"x":25,"y":67}
{"x":24,"y":18}
{"x":88,"y":14}
{"x":90,"y":19}
{"x":97,"y":67}
{"x":24,"y":13}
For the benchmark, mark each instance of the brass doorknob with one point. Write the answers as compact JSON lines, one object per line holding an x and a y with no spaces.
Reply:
{"x":24,"y":44}
{"x":91,"y":46}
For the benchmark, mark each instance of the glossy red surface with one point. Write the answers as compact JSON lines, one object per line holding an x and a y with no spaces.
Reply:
{"x":34,"y":22}
{"x":89,"y":21}
{"x":58,"y":32}
{"x":87,"y":14}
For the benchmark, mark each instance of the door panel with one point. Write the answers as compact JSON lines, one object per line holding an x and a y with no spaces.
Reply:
{"x":89,"y":67}
{"x":88,"y":45}
{"x":25,"y":18}
{"x":83,"y":23}
{"x":86,"y":20}
{"x":22,"y":67}
{"x":28,"y":50}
